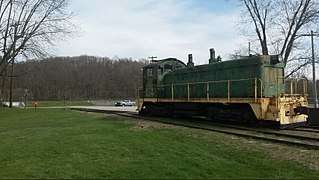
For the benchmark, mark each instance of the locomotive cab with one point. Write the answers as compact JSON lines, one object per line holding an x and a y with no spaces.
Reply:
{"x":154,"y":73}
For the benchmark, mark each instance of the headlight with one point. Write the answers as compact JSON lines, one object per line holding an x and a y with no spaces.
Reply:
{"x":276,"y":59}
{"x":280,"y":59}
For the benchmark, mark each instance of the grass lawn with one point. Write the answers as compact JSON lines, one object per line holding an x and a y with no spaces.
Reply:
{"x":59,"y":103}
{"x":47,"y":143}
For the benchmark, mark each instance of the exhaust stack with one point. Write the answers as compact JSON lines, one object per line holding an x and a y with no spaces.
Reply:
{"x":212,"y":56}
{"x":190,"y":63}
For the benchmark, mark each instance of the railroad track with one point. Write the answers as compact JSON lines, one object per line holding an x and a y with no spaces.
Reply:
{"x":258,"y":134}
{"x":276,"y":137}
{"x":307,"y":129}
{"x":312,"y":127}
{"x":271,"y":132}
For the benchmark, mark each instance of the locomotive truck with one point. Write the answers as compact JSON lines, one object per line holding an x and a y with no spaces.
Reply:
{"x":251,"y":89}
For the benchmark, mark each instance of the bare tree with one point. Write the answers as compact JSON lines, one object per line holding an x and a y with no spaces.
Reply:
{"x":259,"y":11}
{"x":280,"y":26}
{"x":29,"y":27}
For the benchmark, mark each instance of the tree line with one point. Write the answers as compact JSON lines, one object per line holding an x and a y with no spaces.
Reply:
{"x":76,"y":78}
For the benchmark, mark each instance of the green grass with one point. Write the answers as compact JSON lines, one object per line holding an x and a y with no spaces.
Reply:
{"x":59,"y":103}
{"x":46,"y":143}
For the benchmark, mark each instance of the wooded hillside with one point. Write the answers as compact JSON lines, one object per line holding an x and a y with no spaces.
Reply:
{"x":77,"y":78}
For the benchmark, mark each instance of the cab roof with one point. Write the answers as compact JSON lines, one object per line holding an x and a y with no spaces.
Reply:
{"x":158,"y":62}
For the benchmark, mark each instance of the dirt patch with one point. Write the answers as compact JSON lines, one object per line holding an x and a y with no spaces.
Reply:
{"x":143,"y":127}
{"x":146,"y":126}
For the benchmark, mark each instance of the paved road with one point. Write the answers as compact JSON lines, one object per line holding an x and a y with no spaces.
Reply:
{"x":107,"y":108}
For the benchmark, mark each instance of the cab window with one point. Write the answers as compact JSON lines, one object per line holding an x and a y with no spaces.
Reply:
{"x":149,"y":72}
{"x":160,"y":70}
{"x":168,"y":68}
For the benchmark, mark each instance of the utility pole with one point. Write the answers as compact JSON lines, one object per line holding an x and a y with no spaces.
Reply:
{"x":314,"y":85}
{"x":11,"y":84}
{"x":12,"y":71}
{"x":314,"y":72}
{"x":16,"y":37}
{"x":152,"y":58}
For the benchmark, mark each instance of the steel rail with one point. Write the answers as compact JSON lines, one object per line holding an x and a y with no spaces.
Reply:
{"x":307,"y":130}
{"x":268,"y":132}
{"x":311,"y":127}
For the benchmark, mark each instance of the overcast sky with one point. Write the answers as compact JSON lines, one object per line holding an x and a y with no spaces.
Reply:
{"x":164,"y":28}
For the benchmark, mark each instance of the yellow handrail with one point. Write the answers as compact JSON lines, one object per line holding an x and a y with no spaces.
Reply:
{"x":256,"y":81}
{"x":172,"y":86}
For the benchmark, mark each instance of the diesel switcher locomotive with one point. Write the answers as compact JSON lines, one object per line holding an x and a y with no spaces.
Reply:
{"x":250,"y":89}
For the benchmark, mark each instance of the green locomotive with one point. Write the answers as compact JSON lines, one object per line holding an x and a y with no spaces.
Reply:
{"x":248,"y":89}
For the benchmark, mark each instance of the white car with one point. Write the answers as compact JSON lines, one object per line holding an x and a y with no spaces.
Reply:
{"x":125,"y":103}
{"x":14,"y":104}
